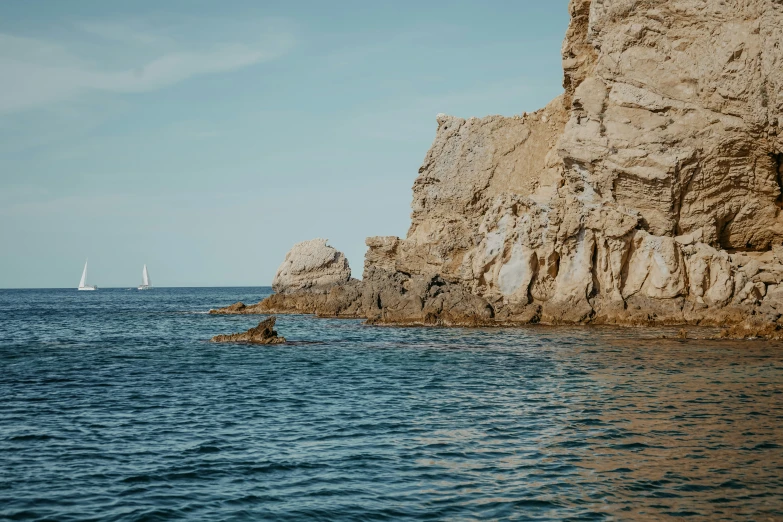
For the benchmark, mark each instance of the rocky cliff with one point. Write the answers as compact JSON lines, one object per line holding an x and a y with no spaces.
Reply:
{"x":649,"y":192}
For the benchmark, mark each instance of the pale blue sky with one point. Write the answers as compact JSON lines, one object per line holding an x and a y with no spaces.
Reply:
{"x":206,"y":138}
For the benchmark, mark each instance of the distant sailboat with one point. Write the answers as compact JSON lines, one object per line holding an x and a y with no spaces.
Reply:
{"x":145,"y":280}
{"x":82,"y":284}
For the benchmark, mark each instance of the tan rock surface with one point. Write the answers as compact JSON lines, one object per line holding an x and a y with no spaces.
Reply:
{"x":648,"y":193}
{"x":313,"y":266}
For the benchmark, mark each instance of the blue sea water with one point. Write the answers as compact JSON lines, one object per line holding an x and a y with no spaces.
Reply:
{"x":113,"y":406}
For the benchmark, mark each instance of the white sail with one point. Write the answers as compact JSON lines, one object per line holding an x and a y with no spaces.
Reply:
{"x":83,"y":283}
{"x":84,"y":276}
{"x":145,"y":280}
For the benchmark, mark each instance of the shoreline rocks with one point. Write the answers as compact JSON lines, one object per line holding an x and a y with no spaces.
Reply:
{"x":396,"y":298}
{"x":753,"y":328}
{"x":648,"y":193}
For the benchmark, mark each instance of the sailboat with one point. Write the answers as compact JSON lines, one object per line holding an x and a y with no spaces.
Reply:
{"x":82,"y":285}
{"x":145,"y":280}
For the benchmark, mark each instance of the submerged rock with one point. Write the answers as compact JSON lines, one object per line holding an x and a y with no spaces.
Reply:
{"x":264,"y":333}
{"x":237,"y":308}
{"x":753,"y":328}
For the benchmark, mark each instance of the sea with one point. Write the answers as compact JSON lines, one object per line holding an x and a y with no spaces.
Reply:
{"x":115,"y":406}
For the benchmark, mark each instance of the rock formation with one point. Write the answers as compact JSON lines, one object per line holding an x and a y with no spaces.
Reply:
{"x":264,"y":333}
{"x":312,"y":266}
{"x":648,"y":193}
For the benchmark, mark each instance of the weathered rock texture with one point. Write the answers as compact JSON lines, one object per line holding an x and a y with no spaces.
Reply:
{"x":648,"y":193}
{"x":313,"y":266}
{"x":264,"y":333}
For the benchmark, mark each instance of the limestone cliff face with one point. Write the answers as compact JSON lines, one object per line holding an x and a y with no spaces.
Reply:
{"x":649,"y":192}
{"x":632,"y":194}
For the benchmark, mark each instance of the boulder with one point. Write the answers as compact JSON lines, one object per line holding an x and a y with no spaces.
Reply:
{"x":311,"y":266}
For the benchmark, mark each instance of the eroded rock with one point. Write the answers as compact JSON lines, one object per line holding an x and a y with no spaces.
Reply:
{"x":312,"y":266}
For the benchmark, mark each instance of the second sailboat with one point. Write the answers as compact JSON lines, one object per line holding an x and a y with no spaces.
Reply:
{"x":146,"y":284}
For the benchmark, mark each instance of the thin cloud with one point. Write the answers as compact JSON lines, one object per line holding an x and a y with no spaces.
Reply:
{"x":120,"y":32}
{"x":36,"y":72}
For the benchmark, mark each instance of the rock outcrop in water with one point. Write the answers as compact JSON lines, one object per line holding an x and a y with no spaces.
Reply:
{"x":264,"y":333}
{"x":648,"y":193}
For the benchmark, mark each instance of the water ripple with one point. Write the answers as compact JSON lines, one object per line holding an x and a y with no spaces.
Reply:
{"x":114,"y":408}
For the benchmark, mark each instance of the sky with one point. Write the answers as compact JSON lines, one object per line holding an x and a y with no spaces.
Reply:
{"x":206,"y":138}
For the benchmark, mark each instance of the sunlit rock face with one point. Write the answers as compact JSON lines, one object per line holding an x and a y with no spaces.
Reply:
{"x":641,"y":183}
{"x":311,"y":266}
{"x":648,"y":192}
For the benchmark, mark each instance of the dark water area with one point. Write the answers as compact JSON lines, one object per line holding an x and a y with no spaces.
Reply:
{"x":113,"y":406}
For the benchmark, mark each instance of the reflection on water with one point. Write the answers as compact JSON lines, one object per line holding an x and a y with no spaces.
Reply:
{"x":114,"y":407}
{"x":681,"y":428}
